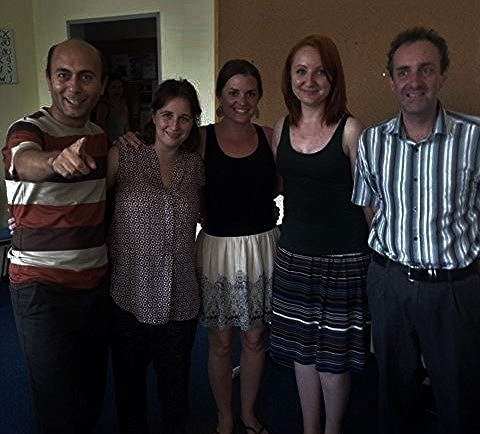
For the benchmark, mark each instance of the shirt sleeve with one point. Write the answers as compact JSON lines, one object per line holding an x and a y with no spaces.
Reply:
{"x":363,"y":188}
{"x":21,"y":135}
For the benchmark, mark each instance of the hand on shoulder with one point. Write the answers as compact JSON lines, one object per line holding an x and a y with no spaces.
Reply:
{"x":129,"y":140}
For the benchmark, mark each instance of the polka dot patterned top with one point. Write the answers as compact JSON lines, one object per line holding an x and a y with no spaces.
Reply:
{"x":152,"y":238}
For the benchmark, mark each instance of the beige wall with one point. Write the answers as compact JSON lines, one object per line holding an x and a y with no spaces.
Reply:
{"x":187,"y":47}
{"x":264,"y":31}
{"x":22,"y":97}
{"x":197,"y":36}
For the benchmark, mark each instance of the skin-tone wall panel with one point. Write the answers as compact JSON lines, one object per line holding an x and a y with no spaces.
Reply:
{"x":264,"y":31}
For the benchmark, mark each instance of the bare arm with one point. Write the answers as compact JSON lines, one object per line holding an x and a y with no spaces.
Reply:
{"x":278,"y":182}
{"x":276,"y":134}
{"x":351,"y":135}
{"x":36,"y":165}
{"x":268,"y":134}
{"x":369,"y":213}
{"x":112,"y":166}
{"x":203,"y":142}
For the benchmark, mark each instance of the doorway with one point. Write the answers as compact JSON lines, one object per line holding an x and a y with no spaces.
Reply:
{"x":131,"y":46}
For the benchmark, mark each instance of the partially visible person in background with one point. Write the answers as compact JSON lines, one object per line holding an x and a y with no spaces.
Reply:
{"x":320,"y":308}
{"x":154,"y":287}
{"x":236,"y":245}
{"x":55,"y":163}
{"x":111,"y":112}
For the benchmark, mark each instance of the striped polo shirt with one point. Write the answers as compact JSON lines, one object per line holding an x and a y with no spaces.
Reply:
{"x":427,"y":193}
{"x":60,"y":235}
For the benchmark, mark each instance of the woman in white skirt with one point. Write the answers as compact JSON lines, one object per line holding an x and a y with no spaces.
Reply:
{"x":236,"y":246}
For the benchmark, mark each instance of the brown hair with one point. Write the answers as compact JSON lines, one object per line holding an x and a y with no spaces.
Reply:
{"x":234,"y":67}
{"x":415,"y":34}
{"x":168,"y":90}
{"x":336,"y":104}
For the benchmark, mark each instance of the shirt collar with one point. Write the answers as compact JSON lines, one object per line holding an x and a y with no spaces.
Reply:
{"x":443,"y":124}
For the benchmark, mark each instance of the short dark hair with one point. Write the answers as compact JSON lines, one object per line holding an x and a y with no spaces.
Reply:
{"x":414,"y":34}
{"x":103,"y":60}
{"x":336,"y":105}
{"x":168,"y":90}
{"x":234,"y":67}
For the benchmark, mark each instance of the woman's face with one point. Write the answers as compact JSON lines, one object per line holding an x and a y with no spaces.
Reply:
{"x":309,"y":78}
{"x":173,"y":123}
{"x":239,"y":98}
{"x":115,"y":88}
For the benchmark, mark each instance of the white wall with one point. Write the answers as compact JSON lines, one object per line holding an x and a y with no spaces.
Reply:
{"x":187,"y":43}
{"x":187,"y":36}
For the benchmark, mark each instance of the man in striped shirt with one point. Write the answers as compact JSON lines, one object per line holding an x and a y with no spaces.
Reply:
{"x":421,"y":171}
{"x":55,"y":162}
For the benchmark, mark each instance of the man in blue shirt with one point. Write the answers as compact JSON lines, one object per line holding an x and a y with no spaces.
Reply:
{"x":421,"y":172}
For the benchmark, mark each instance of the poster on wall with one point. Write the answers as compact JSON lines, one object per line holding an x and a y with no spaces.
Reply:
{"x":8,"y":66}
{"x":134,"y":68}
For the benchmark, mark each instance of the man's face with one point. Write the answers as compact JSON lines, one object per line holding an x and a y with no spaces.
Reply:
{"x":417,"y":78}
{"x":75,"y":82}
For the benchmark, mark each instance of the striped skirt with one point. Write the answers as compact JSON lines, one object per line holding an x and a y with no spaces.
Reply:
{"x":320,"y":311}
{"x":235,"y":276}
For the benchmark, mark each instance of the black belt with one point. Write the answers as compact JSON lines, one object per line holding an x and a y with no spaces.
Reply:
{"x":427,"y":274}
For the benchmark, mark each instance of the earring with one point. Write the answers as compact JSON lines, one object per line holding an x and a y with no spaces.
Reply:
{"x":257,"y":113}
{"x":219,"y":111}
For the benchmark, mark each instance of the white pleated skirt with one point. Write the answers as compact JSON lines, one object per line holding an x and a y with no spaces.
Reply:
{"x":235,"y":275}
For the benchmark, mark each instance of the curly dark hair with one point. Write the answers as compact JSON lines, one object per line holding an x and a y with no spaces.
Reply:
{"x":414,"y":34}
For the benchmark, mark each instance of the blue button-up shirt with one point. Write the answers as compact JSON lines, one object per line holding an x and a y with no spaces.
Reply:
{"x":427,"y":193}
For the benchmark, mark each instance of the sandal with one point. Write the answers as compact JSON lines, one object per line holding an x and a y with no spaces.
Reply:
{"x":251,"y":430}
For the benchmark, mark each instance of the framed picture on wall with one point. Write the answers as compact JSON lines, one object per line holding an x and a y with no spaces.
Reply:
{"x":8,"y":64}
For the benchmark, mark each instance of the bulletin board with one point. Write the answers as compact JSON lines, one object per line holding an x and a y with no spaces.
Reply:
{"x":263,"y":32}
{"x":8,"y":66}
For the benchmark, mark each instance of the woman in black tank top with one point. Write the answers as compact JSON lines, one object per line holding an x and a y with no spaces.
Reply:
{"x":236,"y":246}
{"x":319,"y":299}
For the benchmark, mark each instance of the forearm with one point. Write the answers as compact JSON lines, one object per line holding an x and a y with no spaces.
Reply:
{"x":369,"y":214}
{"x":35,"y":165}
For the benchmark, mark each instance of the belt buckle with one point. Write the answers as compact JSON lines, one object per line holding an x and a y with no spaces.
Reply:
{"x":409,"y":274}
{"x":411,"y":270}
{"x":431,"y":274}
